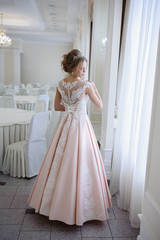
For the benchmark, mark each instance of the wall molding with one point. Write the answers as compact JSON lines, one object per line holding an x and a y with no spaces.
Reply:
{"x":144,"y":231}
{"x":150,"y":219}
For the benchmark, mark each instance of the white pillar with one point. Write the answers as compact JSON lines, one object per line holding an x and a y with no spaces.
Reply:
{"x":110,"y":81}
{"x":16,"y":67}
{"x":2,"y":66}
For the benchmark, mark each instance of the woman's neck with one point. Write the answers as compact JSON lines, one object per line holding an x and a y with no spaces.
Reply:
{"x":72,"y":78}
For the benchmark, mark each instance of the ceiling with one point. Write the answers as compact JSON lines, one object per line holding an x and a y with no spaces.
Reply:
{"x":41,"y":20}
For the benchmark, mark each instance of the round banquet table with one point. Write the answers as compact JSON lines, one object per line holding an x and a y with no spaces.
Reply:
{"x":25,"y":102}
{"x":13,"y":127}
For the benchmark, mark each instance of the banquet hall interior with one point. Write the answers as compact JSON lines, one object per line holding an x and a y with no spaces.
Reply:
{"x":121,"y":41}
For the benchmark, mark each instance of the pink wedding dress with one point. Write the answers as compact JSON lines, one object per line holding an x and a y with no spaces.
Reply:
{"x":71,"y":186}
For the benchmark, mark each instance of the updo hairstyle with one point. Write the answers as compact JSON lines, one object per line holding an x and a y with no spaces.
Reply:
{"x":71,"y":60}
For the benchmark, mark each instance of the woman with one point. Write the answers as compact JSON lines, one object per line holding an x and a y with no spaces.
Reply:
{"x":71,"y":186}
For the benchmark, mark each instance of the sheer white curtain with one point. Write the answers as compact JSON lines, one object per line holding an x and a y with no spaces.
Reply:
{"x":135,"y":91}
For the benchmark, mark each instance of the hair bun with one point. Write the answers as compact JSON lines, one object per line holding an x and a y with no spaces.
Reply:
{"x":71,"y":60}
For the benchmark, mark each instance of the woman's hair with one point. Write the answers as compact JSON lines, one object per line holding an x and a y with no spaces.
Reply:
{"x":71,"y":60}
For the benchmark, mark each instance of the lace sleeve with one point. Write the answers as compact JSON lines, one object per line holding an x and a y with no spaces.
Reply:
{"x":87,"y":85}
{"x":94,"y":95}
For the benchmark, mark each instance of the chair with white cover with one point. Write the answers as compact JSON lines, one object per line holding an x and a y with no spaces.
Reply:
{"x":2,"y":89}
{"x":10,"y":86}
{"x":36,"y":85}
{"x":52,"y":89}
{"x":29,"y":87}
{"x":21,"y":85}
{"x":16,"y":88}
{"x":7,"y":102}
{"x":24,"y":159}
{"x":55,"y":119}
{"x":51,"y":95}
{"x":40,"y":105}
{"x":10,"y":92}
{"x":46,"y":98}
{"x":41,"y":91}
{"x":22,"y":92}
{"x":33,"y":92}
{"x":46,"y":86}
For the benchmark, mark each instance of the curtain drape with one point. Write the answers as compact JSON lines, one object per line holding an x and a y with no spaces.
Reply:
{"x":135,"y":91}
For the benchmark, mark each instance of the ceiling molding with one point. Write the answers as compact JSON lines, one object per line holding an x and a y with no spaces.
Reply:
{"x":42,"y":20}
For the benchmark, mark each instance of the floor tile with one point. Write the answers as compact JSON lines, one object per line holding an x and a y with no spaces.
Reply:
{"x":30,"y":211}
{"x":7,"y":190}
{"x":60,"y":226}
{"x":5,"y":201}
{"x":30,"y":182}
{"x":11,"y":216}
{"x":66,"y":235}
{"x":119,"y":213}
{"x":122,"y":229}
{"x":9,"y":232}
{"x":114,"y":201}
{"x":26,"y":190}
{"x":28,"y":206}
{"x":111,"y":213}
{"x":34,"y":235}
{"x":19,"y":202}
{"x":97,"y":238}
{"x":19,"y":222}
{"x":95,"y":229}
{"x":36,"y":222}
{"x":16,"y":182}
{"x":2,"y":183}
{"x":4,"y":177}
{"x":124,"y":238}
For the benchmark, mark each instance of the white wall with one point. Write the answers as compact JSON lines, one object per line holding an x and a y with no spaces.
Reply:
{"x":31,"y":62}
{"x":150,"y":217}
{"x":41,"y":62}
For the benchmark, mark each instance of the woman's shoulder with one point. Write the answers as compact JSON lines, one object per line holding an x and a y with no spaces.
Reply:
{"x":87,"y":84}
{"x":60,"y":82}
{"x":84,"y":83}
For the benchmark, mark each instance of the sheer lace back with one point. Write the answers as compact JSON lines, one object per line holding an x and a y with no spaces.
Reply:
{"x":72,"y":92}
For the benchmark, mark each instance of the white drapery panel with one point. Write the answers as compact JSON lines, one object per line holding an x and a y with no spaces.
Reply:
{"x":135,"y":91}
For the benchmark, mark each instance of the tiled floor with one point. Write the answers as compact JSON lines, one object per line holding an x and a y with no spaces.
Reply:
{"x":19,"y":222}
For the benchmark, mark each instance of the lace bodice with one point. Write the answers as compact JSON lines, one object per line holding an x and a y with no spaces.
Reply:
{"x":73,"y":94}
{"x":74,"y":99}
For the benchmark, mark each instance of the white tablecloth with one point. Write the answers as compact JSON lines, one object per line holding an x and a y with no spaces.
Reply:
{"x":13,"y":127}
{"x":26,"y":102}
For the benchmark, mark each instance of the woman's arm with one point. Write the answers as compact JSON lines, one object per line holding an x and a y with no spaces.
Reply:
{"x":94,"y":96}
{"x":57,"y":102}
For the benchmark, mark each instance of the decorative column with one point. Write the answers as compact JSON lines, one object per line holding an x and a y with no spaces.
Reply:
{"x":110,"y":81}
{"x":1,"y":66}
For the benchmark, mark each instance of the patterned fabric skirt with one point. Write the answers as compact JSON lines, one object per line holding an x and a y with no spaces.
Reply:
{"x":71,"y":186}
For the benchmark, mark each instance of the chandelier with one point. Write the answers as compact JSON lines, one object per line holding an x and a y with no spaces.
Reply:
{"x":4,"y":40}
